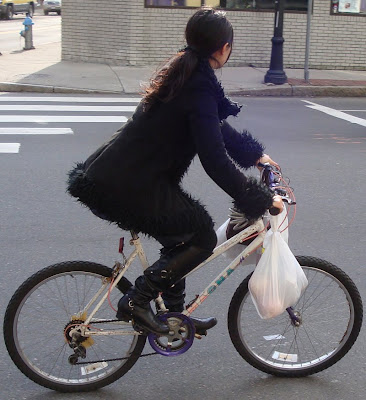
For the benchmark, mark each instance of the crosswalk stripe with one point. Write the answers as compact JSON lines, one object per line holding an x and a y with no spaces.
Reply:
{"x":61,"y":118}
{"x":9,"y":147}
{"x":40,"y":107}
{"x":72,"y":99}
{"x":36,"y":131}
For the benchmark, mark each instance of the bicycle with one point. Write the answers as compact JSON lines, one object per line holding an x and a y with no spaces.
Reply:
{"x":61,"y":332}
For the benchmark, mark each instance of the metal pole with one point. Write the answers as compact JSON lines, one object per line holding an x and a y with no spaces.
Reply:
{"x":307,"y":47}
{"x":276,"y":74}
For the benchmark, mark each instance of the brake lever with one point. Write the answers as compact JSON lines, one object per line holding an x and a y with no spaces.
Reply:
{"x":288,"y":200}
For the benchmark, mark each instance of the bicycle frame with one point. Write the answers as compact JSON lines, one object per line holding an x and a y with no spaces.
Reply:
{"x":258,"y":227}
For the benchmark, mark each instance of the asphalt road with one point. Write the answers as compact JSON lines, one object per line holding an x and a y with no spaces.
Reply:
{"x":320,"y":149}
{"x":46,"y":29}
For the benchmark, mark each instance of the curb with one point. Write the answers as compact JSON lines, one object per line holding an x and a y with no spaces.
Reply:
{"x":273,"y":91}
{"x":329,"y":91}
{"x":20,"y":87}
{"x":303,"y":91}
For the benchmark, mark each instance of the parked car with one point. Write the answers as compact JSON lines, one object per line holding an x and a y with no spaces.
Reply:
{"x":10,"y":7}
{"x":52,"y":6}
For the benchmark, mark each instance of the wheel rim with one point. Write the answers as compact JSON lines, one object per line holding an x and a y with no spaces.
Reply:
{"x":324,"y":307}
{"x":39,"y":331}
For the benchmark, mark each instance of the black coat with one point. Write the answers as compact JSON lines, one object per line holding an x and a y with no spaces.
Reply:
{"x":134,"y":178}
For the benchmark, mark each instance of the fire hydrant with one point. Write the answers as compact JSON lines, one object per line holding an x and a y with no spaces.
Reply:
{"x":27,"y":33}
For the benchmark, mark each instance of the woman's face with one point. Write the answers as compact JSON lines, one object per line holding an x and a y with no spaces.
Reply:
{"x":221,"y":56}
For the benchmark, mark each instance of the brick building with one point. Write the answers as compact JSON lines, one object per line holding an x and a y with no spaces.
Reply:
{"x":145,"y":32}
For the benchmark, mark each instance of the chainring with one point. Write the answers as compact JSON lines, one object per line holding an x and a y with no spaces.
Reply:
{"x":180,"y":337}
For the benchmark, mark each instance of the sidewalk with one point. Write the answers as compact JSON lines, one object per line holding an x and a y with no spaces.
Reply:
{"x":41,"y":70}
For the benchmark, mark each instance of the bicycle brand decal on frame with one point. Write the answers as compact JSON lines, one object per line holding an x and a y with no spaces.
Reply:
{"x":219,"y":281}
{"x":211,"y":289}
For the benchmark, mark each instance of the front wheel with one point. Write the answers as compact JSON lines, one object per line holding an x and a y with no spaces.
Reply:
{"x":41,"y":316}
{"x":329,"y":320}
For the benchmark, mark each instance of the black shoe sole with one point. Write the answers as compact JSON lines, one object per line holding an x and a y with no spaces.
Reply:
{"x":123,"y":317}
{"x":136,"y":324}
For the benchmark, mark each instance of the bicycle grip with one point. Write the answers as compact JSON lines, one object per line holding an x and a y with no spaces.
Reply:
{"x":274,"y":211}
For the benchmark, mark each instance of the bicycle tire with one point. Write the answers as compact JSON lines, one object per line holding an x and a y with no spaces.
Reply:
{"x":273,"y":346}
{"x":44,"y":357}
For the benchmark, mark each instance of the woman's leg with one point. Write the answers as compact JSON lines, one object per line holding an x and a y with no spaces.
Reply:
{"x":182,"y":252}
{"x":174,"y":295}
{"x":162,"y":276}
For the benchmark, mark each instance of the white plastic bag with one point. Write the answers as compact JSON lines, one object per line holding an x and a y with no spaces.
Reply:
{"x":235,"y":250}
{"x":278,"y":280}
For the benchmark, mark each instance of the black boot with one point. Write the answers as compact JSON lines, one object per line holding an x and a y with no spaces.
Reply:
{"x":172,"y":266}
{"x":162,"y":275}
{"x":136,"y":305}
{"x":201,"y":324}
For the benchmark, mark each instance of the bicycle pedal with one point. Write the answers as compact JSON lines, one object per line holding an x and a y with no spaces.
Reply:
{"x":139,"y":329}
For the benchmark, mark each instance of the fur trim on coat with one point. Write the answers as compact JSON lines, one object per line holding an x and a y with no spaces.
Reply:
{"x":191,"y":218}
{"x":254,"y":200}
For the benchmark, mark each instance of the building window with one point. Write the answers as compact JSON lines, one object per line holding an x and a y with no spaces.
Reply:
{"x":245,"y":5}
{"x":347,"y":7}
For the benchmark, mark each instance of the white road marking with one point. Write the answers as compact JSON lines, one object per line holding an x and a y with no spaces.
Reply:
{"x":353,"y":110}
{"x":9,"y":147}
{"x":336,"y":113}
{"x":61,"y":118}
{"x":36,"y":131}
{"x":72,"y":99}
{"x":41,"y":107}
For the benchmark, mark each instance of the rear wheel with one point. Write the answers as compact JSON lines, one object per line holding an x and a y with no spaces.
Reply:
{"x":330,"y":319}
{"x":41,"y":316}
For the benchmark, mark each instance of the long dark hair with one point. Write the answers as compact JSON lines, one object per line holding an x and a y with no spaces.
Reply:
{"x":207,"y":31}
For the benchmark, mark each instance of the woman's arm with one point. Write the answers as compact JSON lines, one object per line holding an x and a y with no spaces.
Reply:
{"x":250,"y":196}
{"x":243,"y":148}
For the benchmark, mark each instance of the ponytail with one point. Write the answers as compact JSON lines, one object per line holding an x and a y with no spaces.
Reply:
{"x":170,"y":79}
{"x":206,"y":32}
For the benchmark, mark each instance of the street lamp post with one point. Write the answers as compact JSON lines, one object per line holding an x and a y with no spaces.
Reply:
{"x":276,"y":74}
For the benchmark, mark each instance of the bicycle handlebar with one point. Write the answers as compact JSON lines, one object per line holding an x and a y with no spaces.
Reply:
{"x":271,"y":177}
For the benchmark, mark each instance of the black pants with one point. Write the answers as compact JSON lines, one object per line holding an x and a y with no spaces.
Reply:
{"x":206,"y":240}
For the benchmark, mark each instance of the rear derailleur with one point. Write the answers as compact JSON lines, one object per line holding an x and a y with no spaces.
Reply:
{"x":75,"y":339}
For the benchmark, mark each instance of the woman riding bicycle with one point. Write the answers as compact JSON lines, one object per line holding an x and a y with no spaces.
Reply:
{"x":134,"y":179}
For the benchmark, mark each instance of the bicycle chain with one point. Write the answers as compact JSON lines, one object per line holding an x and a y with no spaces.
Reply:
{"x":110,"y":359}
{"x":113,"y":359}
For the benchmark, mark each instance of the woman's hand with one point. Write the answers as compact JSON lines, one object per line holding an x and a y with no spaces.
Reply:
{"x":267,"y":159}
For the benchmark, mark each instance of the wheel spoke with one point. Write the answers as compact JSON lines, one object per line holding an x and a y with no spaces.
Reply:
{"x":47,"y":303}
{"x":329,"y":320}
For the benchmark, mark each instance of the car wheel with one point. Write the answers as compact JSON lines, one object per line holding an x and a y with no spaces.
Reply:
{"x":45,"y":12}
{"x":9,"y":12}
{"x":59,"y":12}
{"x":31,"y":10}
